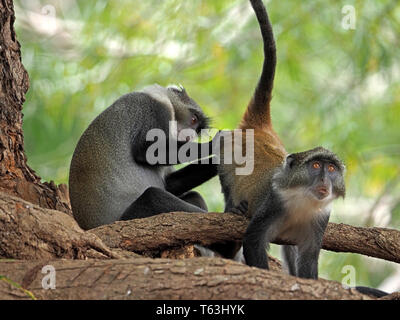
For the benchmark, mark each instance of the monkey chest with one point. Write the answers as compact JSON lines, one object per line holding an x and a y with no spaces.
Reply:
{"x":299,"y":216}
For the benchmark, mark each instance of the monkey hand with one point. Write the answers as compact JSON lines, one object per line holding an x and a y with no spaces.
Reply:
{"x":241,"y":209}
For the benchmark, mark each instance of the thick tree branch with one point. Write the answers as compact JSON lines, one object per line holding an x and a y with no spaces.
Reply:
{"x":179,"y":228}
{"x":144,"y":278}
{"x":30,"y":232}
{"x":376,"y":242}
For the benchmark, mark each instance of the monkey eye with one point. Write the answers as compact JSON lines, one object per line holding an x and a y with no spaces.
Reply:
{"x":194,"y":120}
{"x":316,"y":165}
{"x":331,"y":168}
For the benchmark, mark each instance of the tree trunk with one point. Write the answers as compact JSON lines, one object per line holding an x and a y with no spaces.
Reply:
{"x":30,"y":232}
{"x":16,"y":177}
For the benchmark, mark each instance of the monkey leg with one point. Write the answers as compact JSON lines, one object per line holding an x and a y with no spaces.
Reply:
{"x":189,"y":177}
{"x":241,"y":209}
{"x":309,"y":248}
{"x":307,"y":261}
{"x":261,"y":230}
{"x":289,"y":254}
{"x":226,"y":250}
{"x":254,"y":242}
{"x":155,"y":201}
{"x":195,"y":199}
{"x":229,"y":249}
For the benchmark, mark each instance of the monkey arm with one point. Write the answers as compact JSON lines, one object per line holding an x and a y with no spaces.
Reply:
{"x":308,"y":250}
{"x":172,"y":152}
{"x":261,"y":230}
{"x":189,"y":177}
{"x":155,"y":201}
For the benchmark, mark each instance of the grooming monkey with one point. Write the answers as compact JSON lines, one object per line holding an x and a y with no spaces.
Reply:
{"x":288,"y":195}
{"x":110,"y":178}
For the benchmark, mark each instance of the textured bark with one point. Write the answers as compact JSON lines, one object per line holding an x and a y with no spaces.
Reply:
{"x":380,"y":243}
{"x":393,"y":296}
{"x":144,"y":278}
{"x":16,"y":177}
{"x":173,"y":230}
{"x":189,"y":251}
{"x":179,"y":229}
{"x":28,"y":231}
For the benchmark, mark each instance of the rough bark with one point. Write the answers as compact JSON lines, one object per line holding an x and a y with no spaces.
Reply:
{"x":393,"y":296}
{"x":144,"y":278}
{"x":179,"y":228}
{"x":189,"y":251}
{"x":16,"y":177}
{"x":375,"y":242}
{"x":28,"y":231}
{"x":31,"y":232}
{"x":173,"y":230}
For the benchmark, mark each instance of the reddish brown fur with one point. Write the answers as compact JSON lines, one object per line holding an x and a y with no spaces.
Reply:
{"x":269,"y":153}
{"x":256,"y":116}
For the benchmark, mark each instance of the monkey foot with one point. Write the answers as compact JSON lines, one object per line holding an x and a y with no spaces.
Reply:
{"x":241,"y":209}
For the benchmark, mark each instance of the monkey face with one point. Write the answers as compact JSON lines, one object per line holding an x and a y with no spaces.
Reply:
{"x":188,"y":114}
{"x":318,"y":171}
{"x":322,"y":174}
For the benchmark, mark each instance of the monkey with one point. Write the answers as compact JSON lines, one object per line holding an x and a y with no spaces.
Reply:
{"x":275,"y":208}
{"x":110,"y":177}
{"x":287,"y":195}
{"x":295,"y":206}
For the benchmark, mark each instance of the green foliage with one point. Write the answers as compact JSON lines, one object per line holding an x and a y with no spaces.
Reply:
{"x":334,"y":87}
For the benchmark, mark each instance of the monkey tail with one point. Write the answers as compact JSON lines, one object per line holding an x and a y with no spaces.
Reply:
{"x":258,"y":110}
{"x":371,"y":291}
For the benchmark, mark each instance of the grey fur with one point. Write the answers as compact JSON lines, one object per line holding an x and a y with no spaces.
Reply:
{"x":294,"y":210}
{"x":105,"y":178}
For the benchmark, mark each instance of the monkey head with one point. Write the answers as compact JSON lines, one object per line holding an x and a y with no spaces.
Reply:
{"x":188,"y":113}
{"x":318,"y":171}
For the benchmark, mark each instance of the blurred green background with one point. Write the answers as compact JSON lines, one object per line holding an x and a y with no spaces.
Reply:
{"x":334,"y":87}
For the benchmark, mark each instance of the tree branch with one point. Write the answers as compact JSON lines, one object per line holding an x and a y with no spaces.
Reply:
{"x":376,"y":242}
{"x":28,"y":231}
{"x":144,"y":278}
{"x":179,"y":228}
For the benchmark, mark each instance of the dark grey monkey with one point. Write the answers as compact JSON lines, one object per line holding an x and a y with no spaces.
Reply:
{"x":296,"y":207}
{"x":110,"y":177}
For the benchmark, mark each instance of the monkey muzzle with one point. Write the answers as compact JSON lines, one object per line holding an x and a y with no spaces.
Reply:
{"x":321,"y":192}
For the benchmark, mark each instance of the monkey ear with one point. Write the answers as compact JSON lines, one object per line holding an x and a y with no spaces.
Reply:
{"x":176,"y":88}
{"x":290,"y":160}
{"x":182,"y":88}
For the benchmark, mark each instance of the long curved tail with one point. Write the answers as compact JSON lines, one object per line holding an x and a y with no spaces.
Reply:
{"x":258,"y":110}
{"x":371,"y":291}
